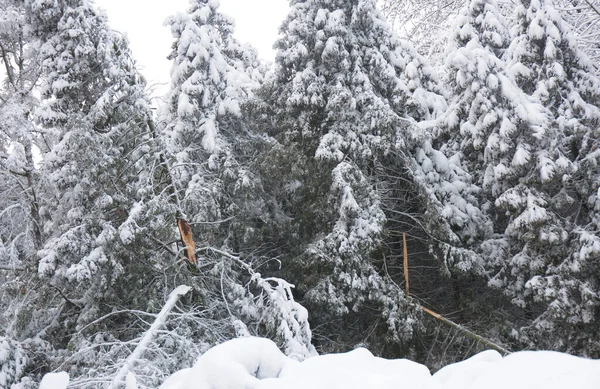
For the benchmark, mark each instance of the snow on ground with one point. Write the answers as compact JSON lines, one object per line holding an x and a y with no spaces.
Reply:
{"x":255,"y":363}
{"x":55,"y":381}
{"x":530,"y":369}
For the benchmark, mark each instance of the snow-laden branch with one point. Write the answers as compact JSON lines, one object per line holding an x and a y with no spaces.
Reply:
{"x":593,"y":6}
{"x":11,"y":266}
{"x":174,"y":297}
{"x":5,"y":210}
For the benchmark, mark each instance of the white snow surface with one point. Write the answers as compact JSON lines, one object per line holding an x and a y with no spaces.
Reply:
{"x":256,"y":363}
{"x":55,"y":381}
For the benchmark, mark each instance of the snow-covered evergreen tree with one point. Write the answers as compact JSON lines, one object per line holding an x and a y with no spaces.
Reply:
{"x":346,"y":97}
{"x":212,"y":76}
{"x":500,"y":133}
{"x":22,"y":190}
{"x":554,"y":267}
{"x":12,"y":362}
{"x":518,"y":112}
{"x":92,"y":125}
{"x":473,"y":66}
{"x":20,"y":221}
{"x":93,"y":141}
{"x":219,"y":191}
{"x":111,"y":207}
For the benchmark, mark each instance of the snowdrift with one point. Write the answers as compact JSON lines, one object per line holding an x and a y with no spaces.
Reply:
{"x":255,"y":363}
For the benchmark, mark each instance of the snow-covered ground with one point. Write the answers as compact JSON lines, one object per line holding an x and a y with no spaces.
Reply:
{"x":255,"y":363}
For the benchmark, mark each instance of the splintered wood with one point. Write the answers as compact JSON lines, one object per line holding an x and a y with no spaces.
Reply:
{"x":406,"y":284}
{"x":186,"y":237}
{"x":441,"y":318}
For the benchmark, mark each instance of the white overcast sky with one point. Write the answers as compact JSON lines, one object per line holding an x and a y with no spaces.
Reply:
{"x":257,"y":22}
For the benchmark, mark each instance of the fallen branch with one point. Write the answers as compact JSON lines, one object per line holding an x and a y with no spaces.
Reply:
{"x":174,"y":297}
{"x":405,"y":252}
{"x":444,"y":320}
{"x":465,"y":331}
{"x":11,"y":267}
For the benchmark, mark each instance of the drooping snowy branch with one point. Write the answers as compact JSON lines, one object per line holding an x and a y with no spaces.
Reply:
{"x":139,"y":350}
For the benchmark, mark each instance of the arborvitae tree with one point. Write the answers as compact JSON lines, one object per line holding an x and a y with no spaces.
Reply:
{"x":93,"y":101}
{"x":213,"y":152}
{"x":551,"y":225}
{"x":22,"y":192}
{"x":110,"y":219}
{"x":20,"y":221}
{"x":514,"y":130}
{"x":488,"y":120}
{"x":346,"y":96}
{"x":474,"y":74}
{"x":94,"y":140}
{"x":499,"y":132}
{"x":212,"y":76}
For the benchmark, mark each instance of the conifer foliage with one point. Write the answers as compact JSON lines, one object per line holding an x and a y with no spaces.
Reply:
{"x":297,"y":183}
{"x":519,"y":113}
{"x":348,"y":95}
{"x":545,"y":62}
{"x":100,"y":246}
{"x":216,"y":187}
{"x":212,"y":76}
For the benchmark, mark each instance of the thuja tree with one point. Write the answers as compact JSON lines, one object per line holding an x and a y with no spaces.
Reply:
{"x":525,"y":144}
{"x":346,"y":97}
{"x":212,"y":76}
{"x":20,"y":221}
{"x":21,"y":189}
{"x":474,"y":74}
{"x":212,"y":156}
{"x":91,"y":122}
{"x":107,"y":230}
{"x":102,"y":218}
{"x":554,"y":230}
{"x":491,"y":126}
